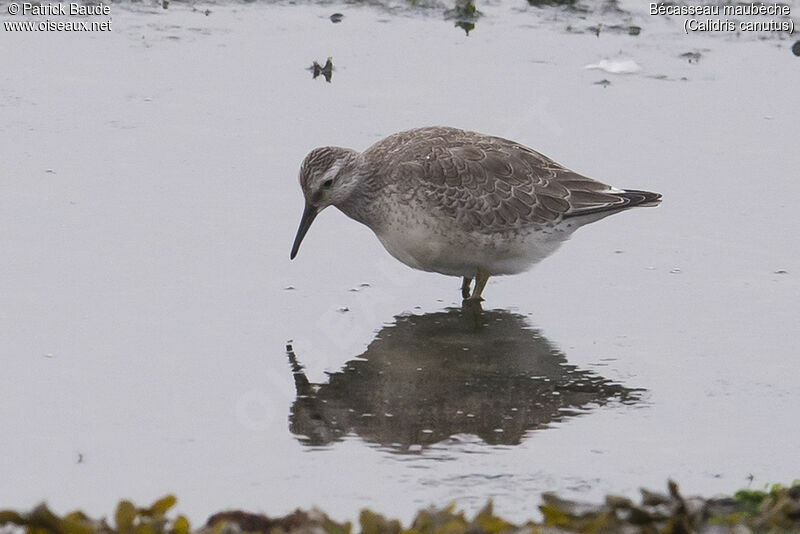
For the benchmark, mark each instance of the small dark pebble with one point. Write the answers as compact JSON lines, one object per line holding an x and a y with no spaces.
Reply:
{"x":796,"y":48}
{"x":781,"y":271}
{"x":336,"y":18}
{"x":634,"y":30}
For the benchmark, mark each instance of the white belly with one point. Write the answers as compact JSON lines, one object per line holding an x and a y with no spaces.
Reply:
{"x":457,"y":253}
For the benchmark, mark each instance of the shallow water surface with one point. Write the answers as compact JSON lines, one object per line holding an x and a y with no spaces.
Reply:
{"x":430,"y":378}
{"x":156,"y":338}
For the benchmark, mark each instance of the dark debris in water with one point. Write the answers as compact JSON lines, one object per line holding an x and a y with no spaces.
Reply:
{"x":598,"y":29}
{"x":463,"y":10}
{"x":796,"y":48}
{"x":692,"y":57}
{"x":576,"y":6}
{"x":553,"y":3}
{"x":465,"y":15}
{"x":325,"y":70}
{"x":465,"y":25}
{"x":775,"y":510}
{"x":336,"y":18}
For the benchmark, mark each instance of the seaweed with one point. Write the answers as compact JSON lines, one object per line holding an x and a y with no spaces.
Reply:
{"x":774,"y":510}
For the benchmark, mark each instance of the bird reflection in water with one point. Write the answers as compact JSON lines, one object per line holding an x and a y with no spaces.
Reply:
{"x":429,"y":377}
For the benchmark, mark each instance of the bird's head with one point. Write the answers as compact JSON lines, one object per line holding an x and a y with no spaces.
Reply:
{"x":326,"y":178}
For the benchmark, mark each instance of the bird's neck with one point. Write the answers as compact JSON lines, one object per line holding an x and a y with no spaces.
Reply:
{"x":363,"y":204}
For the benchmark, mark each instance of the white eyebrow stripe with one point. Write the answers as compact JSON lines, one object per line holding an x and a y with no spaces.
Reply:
{"x":332,"y":171}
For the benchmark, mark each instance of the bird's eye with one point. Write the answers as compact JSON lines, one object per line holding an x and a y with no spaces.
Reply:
{"x":327,"y":184}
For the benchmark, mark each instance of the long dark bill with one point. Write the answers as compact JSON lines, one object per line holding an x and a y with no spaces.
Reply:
{"x":305,"y":223}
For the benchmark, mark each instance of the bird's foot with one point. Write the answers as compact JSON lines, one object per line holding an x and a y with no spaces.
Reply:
{"x":472,"y":302}
{"x":472,"y":308}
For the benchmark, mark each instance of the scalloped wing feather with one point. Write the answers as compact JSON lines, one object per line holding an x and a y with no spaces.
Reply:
{"x":489,"y":182}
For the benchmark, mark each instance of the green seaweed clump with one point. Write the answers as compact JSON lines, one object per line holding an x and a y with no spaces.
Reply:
{"x":128,"y":519}
{"x":774,"y":511}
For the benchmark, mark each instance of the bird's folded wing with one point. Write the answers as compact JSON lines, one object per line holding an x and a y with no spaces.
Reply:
{"x":495,"y":184}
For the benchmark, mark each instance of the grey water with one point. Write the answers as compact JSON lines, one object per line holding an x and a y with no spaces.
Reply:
{"x":156,"y":338}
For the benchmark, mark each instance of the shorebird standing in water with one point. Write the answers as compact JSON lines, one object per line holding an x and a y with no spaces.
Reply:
{"x":458,"y":203}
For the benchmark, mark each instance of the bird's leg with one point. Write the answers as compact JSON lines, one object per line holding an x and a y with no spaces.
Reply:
{"x":480,"y":282}
{"x":475,"y":311}
{"x":465,"y":288}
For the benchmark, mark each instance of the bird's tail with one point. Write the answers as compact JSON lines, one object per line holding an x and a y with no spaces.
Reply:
{"x":640,"y":198}
{"x":616,"y":200}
